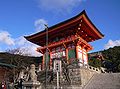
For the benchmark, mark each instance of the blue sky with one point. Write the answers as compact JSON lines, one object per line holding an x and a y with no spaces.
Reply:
{"x":24,"y":17}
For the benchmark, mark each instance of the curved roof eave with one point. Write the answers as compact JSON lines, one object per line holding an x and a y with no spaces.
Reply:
{"x":34,"y":36}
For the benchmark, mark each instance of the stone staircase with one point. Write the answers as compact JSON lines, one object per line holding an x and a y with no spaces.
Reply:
{"x":82,"y":78}
{"x":104,"y":81}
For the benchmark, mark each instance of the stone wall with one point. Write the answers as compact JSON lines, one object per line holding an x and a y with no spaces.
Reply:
{"x":75,"y":76}
{"x":78,"y":78}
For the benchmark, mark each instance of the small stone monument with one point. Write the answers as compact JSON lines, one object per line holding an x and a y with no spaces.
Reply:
{"x":33,"y":76}
{"x":32,"y":82}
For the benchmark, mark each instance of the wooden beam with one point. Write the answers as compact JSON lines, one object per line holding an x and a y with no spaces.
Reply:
{"x":64,"y":45}
{"x":39,"y":50}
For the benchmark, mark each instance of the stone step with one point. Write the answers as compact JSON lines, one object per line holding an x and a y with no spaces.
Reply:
{"x":104,"y":81}
{"x":63,"y":87}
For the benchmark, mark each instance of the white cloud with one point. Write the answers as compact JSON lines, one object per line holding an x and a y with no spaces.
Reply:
{"x":112,"y":43}
{"x":26,"y":47}
{"x":40,"y":24}
{"x":5,"y":38}
{"x":20,"y":41}
{"x":29,"y":50}
{"x":58,"y":5}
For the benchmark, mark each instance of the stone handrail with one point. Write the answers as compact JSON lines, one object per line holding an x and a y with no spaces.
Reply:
{"x":90,"y":67}
{"x":94,"y":69}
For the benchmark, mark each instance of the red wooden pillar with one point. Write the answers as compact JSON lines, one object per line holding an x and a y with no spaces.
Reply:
{"x":82,"y":55}
{"x":67,"y":55}
{"x":87,"y":57}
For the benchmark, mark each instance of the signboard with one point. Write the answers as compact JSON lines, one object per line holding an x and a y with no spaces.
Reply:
{"x":57,"y":66}
{"x":57,"y":54}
